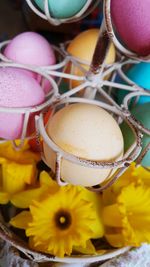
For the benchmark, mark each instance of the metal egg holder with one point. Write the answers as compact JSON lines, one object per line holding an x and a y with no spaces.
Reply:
{"x":92,"y":83}
{"x":113,"y":37}
{"x":46,"y":15}
{"x":94,"y":80}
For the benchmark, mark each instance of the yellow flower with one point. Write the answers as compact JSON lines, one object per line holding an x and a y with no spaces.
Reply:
{"x":25,"y":155}
{"x":127,"y":221}
{"x":137,"y":175}
{"x":17,"y":170}
{"x":142,"y":174}
{"x":60,"y":222}
{"x":45,"y":187}
{"x":127,"y":178}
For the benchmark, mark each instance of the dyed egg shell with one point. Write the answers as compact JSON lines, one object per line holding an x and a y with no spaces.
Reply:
{"x":131,"y":22}
{"x":86,"y":131}
{"x":17,"y":90}
{"x":142,"y":114}
{"x":140,"y":74}
{"x":31,"y":48}
{"x":82,"y":47}
{"x":34,"y":146}
{"x":62,"y":8}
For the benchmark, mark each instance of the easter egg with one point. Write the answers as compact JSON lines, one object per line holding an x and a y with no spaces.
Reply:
{"x":131,"y":21}
{"x":139,"y":74}
{"x":82,"y":47}
{"x":63,"y":8}
{"x":86,"y":131}
{"x":142,"y":114}
{"x":17,"y":90}
{"x":30,"y":48}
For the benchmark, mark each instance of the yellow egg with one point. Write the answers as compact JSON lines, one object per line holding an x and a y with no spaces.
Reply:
{"x":86,"y":131}
{"x":82,"y":47}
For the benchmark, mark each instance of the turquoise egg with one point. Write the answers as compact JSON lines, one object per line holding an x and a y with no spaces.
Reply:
{"x":142,"y":114}
{"x":62,"y":8}
{"x":140,"y":74}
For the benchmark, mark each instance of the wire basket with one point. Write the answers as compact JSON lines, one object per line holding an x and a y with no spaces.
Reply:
{"x":96,"y":91}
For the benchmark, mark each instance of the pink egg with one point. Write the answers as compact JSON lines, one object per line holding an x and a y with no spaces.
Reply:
{"x":131,"y":19}
{"x":31,"y":48}
{"x":17,"y":90}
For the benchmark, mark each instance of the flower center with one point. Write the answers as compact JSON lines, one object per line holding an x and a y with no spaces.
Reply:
{"x":63,"y":219}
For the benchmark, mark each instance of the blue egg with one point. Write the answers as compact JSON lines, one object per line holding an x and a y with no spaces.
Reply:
{"x":62,"y":8}
{"x":140,"y":74}
{"x":142,"y":114}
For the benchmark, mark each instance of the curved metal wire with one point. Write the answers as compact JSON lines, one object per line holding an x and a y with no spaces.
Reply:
{"x":46,"y":15}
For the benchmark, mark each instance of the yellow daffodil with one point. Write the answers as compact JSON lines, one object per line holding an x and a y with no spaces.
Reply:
{"x":47,"y":187}
{"x":44,"y":187}
{"x":127,"y":220}
{"x":24,"y":155}
{"x":66,"y":215}
{"x":127,"y":178}
{"x":17,"y":170}
{"x":14,"y":178}
{"x":96,"y":199}
{"x":142,"y":174}
{"x":137,"y":175}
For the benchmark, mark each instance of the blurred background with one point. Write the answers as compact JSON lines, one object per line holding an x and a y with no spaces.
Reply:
{"x":16,"y":17}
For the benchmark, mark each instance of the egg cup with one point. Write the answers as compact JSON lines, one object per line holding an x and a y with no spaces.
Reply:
{"x":85,"y":11}
{"x":112,"y":35}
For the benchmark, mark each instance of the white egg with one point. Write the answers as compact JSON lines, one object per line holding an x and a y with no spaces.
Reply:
{"x":86,"y":131}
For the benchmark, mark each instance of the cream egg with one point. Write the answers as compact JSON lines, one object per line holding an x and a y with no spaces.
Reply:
{"x":86,"y":131}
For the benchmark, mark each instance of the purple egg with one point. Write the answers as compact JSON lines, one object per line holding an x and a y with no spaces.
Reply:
{"x":131,"y":20}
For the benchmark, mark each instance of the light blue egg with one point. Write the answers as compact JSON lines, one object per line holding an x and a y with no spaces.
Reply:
{"x":142,"y":114}
{"x":63,"y":8}
{"x":140,"y":74}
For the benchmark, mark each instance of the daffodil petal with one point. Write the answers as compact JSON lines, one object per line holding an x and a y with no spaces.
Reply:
{"x":38,"y":247}
{"x":112,"y":216}
{"x":2,"y":160}
{"x":21,"y":220}
{"x":24,"y":155}
{"x":115,"y":240}
{"x":4,"y":198}
{"x":45,"y":179}
{"x":88,"y":250}
{"x":24,"y":199}
{"x":97,"y":225}
{"x":15,"y":176}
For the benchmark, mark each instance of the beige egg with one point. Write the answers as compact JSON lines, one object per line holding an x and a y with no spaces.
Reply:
{"x":86,"y":131}
{"x":82,"y":47}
